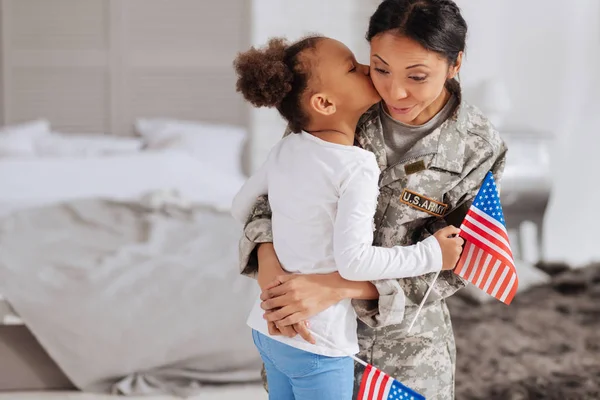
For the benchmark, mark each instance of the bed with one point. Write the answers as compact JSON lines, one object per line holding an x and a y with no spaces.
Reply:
{"x":135,"y":267}
{"x":100,"y":73}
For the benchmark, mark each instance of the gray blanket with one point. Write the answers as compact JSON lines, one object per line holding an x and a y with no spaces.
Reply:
{"x":132,"y":299}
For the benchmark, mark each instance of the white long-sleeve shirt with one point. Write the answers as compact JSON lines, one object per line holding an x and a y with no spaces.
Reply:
{"x":323,"y":198}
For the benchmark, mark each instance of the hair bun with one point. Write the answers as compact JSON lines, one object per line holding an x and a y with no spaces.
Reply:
{"x":263,"y":77}
{"x":450,"y":5}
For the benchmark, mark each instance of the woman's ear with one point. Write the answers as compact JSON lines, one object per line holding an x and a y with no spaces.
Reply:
{"x":455,"y":69}
{"x":320,"y":103}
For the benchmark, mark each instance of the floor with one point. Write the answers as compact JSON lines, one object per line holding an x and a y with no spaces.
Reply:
{"x":251,"y":392}
{"x":545,"y":345}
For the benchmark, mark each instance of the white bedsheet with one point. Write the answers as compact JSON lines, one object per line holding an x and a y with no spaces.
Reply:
{"x":37,"y":182}
{"x":152,"y":296}
{"x":33,"y":182}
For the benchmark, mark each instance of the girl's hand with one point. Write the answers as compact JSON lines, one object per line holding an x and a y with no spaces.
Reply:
{"x":273,"y":329}
{"x":301,"y":328}
{"x":451,"y":246}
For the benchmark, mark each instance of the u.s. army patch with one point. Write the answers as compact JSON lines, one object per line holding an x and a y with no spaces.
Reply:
{"x":423,"y":203}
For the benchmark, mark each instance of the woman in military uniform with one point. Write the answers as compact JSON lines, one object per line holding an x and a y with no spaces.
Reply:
{"x":434,"y":151}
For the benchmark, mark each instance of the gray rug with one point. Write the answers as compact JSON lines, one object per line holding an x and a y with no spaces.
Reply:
{"x":545,"y":345}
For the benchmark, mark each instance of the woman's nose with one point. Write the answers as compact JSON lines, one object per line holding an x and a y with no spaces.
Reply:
{"x":399,"y":91}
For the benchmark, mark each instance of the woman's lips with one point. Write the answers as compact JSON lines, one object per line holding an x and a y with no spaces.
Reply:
{"x":403,"y":110}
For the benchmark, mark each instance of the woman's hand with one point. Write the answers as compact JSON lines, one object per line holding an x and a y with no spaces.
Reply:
{"x":291,"y":330}
{"x":269,"y":267}
{"x":292,"y":299}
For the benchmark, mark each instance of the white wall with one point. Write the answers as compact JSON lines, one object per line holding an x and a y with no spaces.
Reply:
{"x":573,"y":216}
{"x":540,"y":48}
{"x":548,"y":54}
{"x":532,"y":46}
{"x":1,"y":74}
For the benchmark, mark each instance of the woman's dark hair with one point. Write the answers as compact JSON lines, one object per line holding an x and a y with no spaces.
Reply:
{"x":277,"y":76}
{"x":437,"y":25}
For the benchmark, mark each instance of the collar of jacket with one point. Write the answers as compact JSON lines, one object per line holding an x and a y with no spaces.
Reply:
{"x":446,"y":144}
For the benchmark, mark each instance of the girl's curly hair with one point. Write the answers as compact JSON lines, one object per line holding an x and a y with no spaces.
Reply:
{"x":276,"y":76}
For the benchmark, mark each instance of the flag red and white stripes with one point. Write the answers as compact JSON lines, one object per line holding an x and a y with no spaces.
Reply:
{"x":487,"y":261}
{"x":377,"y":385}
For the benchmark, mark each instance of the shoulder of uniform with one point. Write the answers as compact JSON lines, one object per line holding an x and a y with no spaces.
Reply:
{"x":368,"y":117}
{"x":479,"y":128}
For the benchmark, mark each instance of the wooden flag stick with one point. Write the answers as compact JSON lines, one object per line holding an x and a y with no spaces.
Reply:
{"x":423,"y":301}
{"x":426,"y":294}
{"x":358,"y":360}
{"x":333,"y":346}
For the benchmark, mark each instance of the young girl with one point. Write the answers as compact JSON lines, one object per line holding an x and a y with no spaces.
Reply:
{"x":323,"y":194}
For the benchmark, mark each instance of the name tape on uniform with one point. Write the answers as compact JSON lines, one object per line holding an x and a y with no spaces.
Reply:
{"x":415,"y":167}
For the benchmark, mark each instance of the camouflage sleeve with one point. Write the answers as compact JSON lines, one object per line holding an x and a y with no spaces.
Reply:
{"x":491,"y":156}
{"x":387,"y":310}
{"x":257,"y":230}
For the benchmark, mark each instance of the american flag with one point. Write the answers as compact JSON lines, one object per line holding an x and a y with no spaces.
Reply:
{"x":376,"y":385}
{"x":487,"y":260}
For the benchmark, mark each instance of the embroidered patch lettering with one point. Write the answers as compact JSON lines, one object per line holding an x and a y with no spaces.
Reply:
{"x":423,"y":203}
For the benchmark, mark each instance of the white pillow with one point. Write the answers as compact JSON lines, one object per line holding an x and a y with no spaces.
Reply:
{"x":85,"y":145}
{"x":31,"y":129}
{"x":15,"y":146}
{"x":19,"y":140}
{"x":217,"y":145}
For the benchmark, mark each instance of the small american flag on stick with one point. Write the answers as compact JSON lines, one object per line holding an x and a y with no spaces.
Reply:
{"x":487,"y":260}
{"x":376,"y":384}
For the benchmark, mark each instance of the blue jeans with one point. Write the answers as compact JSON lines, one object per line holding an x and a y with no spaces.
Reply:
{"x":294,"y":374}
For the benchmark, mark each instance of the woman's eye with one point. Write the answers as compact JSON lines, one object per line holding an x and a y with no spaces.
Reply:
{"x":381,"y":71}
{"x":418,"y":78}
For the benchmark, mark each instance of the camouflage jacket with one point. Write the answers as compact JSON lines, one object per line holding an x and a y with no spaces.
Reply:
{"x":431,"y":186}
